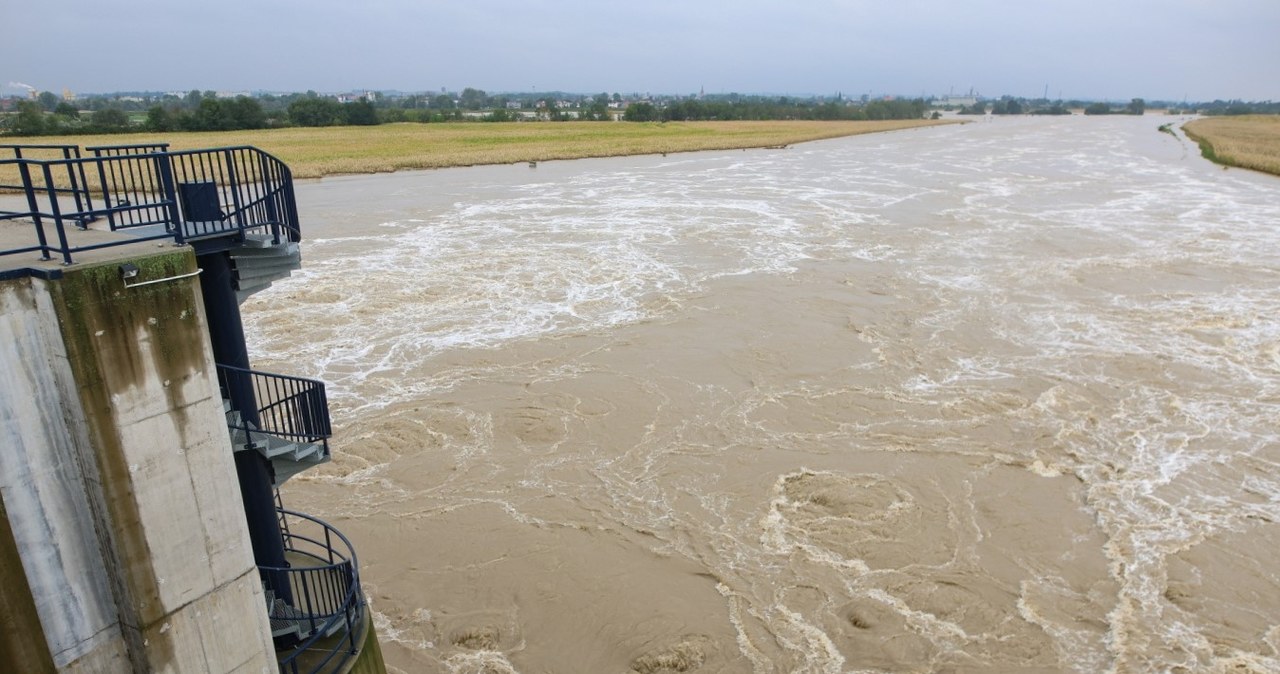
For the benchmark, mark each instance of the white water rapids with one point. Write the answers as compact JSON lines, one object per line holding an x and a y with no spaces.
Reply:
{"x":995,"y":397}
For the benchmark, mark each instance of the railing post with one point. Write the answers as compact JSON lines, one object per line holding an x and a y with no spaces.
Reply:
{"x":88,"y":195}
{"x":306,"y":601}
{"x":164,"y":167}
{"x":57,"y":216}
{"x":235,"y":188}
{"x":106,"y":195}
{"x":290,"y":204}
{"x":353,"y":582}
{"x":32,"y":204}
{"x":267,"y":175}
{"x":87,"y":205}
{"x":285,"y":534}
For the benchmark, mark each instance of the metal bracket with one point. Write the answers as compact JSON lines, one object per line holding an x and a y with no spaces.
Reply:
{"x":162,"y":280}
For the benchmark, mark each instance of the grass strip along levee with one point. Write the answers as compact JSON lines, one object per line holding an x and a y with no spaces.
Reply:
{"x":1247,"y":141}
{"x":318,"y":152}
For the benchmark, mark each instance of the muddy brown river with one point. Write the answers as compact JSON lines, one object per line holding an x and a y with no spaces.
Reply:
{"x":1000,"y":397}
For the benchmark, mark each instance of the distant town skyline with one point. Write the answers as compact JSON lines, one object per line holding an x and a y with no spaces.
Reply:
{"x":1171,"y":50}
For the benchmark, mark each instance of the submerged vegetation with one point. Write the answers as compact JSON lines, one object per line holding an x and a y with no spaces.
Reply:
{"x":316,"y":152}
{"x":1249,"y":141}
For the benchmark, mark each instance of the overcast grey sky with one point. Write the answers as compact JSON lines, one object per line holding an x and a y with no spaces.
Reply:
{"x":1103,"y":49}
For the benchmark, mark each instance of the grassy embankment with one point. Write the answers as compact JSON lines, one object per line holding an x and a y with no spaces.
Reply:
{"x":1246,"y":141}
{"x":316,"y":152}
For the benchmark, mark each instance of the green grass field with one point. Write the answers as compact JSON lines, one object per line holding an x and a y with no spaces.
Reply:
{"x":316,"y":152}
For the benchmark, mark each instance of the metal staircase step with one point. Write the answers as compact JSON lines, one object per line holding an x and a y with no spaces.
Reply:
{"x":258,"y":240}
{"x":291,"y":440}
{"x":286,"y":619}
{"x":272,"y":447}
{"x":285,"y":469}
{"x":243,"y":292}
{"x":255,"y":247}
{"x":258,"y":262}
{"x":274,"y":268}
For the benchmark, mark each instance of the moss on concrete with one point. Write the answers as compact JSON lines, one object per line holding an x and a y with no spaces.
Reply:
{"x":103,"y":324}
{"x":98,"y":303}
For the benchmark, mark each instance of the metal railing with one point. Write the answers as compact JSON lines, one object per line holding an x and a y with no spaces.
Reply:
{"x":328,"y":604}
{"x":150,"y":192}
{"x":73,"y":183}
{"x":120,"y":150}
{"x":293,"y":408}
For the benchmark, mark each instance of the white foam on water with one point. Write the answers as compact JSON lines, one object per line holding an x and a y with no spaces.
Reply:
{"x":1072,"y":275}
{"x":388,"y":632}
{"x":479,"y":662}
{"x":1079,"y":649}
{"x":799,"y":635}
{"x":551,"y":258}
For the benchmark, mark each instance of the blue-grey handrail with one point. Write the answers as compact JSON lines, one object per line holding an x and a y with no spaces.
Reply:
{"x":76,"y":184}
{"x":135,"y":148}
{"x":293,"y":408}
{"x":327,"y":599}
{"x":152,"y":193}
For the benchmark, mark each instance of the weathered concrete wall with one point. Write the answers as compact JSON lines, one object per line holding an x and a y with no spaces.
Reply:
{"x":20,"y":640}
{"x":42,"y":432}
{"x":131,"y":495}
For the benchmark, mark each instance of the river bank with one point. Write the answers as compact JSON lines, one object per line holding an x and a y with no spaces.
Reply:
{"x":319,"y":152}
{"x":1247,"y":141}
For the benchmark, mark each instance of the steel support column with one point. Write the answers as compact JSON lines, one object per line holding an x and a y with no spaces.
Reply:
{"x":226,"y":334}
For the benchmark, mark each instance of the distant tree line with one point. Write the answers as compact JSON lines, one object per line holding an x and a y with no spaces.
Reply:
{"x":205,"y":111}
{"x":1238,"y":108}
{"x":758,"y":108}
{"x":195,"y":112}
{"x":32,"y":120}
{"x":1009,"y":105}
{"x":49,"y":114}
{"x":1136,"y":106}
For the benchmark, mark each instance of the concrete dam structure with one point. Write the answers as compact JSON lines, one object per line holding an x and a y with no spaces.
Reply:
{"x":139,"y":451}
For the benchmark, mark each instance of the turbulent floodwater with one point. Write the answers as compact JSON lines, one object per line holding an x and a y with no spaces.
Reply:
{"x":999,"y":397}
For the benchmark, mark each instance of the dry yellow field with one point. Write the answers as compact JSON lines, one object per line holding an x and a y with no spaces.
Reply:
{"x":316,"y":152}
{"x":1247,"y":141}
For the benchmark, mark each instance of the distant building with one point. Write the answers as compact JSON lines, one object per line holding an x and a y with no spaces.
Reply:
{"x":354,"y":96}
{"x":958,"y":101}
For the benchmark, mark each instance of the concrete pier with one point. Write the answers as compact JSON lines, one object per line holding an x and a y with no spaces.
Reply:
{"x":123,"y":545}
